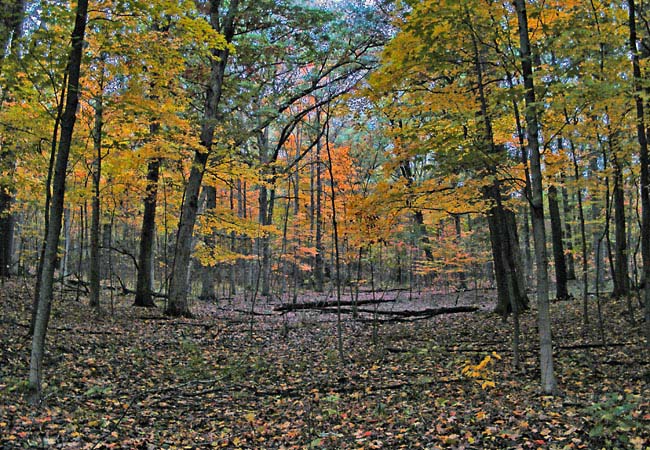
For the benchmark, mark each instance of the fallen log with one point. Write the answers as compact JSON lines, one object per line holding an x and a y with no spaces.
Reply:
{"x":409,"y":316}
{"x":286,"y":307}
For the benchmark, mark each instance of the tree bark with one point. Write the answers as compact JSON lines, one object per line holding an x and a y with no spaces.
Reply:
{"x":179,"y":284}
{"x":568,"y":232}
{"x":6,"y":231}
{"x":144,"y":283}
{"x":95,"y":256}
{"x":644,"y":162}
{"x":549,"y":383}
{"x":561,"y":290}
{"x":318,"y":262}
{"x":207,"y":272}
{"x":12,"y":13}
{"x":621,"y":273}
{"x":56,"y":208}
{"x":503,"y":232}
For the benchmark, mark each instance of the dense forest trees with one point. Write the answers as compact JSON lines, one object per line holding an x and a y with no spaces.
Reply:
{"x":177,"y":150}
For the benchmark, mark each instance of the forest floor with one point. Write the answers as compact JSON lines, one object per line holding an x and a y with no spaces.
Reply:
{"x":133,"y":378}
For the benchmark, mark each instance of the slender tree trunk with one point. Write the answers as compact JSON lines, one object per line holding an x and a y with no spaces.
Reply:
{"x":621,"y":273}
{"x":568,"y":238}
{"x":56,"y":208}
{"x":318,"y":266}
{"x":503,"y":234}
{"x":527,"y":187}
{"x":207,"y":272}
{"x":179,"y":284}
{"x":549,"y":384}
{"x":583,"y":238}
{"x":48,"y":196}
{"x":462,"y":277}
{"x":595,"y":217}
{"x":144,"y":282}
{"x":67,"y":223}
{"x":568,"y":232}
{"x":645,"y":163}
{"x":337,"y":258}
{"x":95,"y":257}
{"x":561,"y":290}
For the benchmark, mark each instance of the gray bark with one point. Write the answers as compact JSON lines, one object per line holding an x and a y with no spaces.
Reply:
{"x":207,"y":272}
{"x":56,"y":208}
{"x":645,"y":163}
{"x":179,"y":284}
{"x":561,"y":290}
{"x":144,"y":283}
{"x":549,"y":384}
{"x":95,"y":257}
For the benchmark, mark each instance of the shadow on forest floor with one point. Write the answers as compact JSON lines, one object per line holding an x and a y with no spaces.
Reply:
{"x":229,"y":379}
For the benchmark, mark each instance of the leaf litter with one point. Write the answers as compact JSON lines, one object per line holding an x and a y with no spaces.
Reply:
{"x":229,"y":379}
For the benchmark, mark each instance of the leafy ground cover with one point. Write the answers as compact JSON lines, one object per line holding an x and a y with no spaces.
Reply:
{"x":135,"y":379}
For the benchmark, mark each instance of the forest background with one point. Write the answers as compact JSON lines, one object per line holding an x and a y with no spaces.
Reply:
{"x":286,"y":157}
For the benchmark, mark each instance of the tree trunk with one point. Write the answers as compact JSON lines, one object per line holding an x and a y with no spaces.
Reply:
{"x":503,"y":235}
{"x":583,"y":239}
{"x":144,"y":283}
{"x":6,"y":231}
{"x":67,"y":223}
{"x":318,"y":263}
{"x":178,"y":288}
{"x":645,"y":162}
{"x":621,"y":273}
{"x":561,"y":290}
{"x":511,"y":290}
{"x":95,"y":256}
{"x":549,"y":384}
{"x":462,"y":277}
{"x":207,"y":271}
{"x":56,"y":208}
{"x":568,"y":232}
{"x":568,"y":237}
{"x":12,"y":13}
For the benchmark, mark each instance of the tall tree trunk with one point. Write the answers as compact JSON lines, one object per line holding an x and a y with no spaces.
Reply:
{"x":144,"y":283}
{"x":462,"y":277}
{"x":178,"y":287}
{"x":568,"y":237}
{"x":67,"y":223}
{"x":207,"y":272}
{"x":503,"y":234}
{"x":621,"y":273}
{"x":56,"y":208}
{"x":6,"y":230}
{"x":561,"y":290}
{"x":645,"y":162}
{"x":583,"y":238}
{"x":568,"y":232}
{"x":549,"y":383}
{"x":527,"y":187}
{"x":11,"y":18}
{"x":337,"y":258}
{"x":95,"y":256}
{"x":318,"y":265}
{"x":595,"y":235}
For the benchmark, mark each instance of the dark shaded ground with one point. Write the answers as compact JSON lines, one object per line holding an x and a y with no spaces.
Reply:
{"x":139,"y":380}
